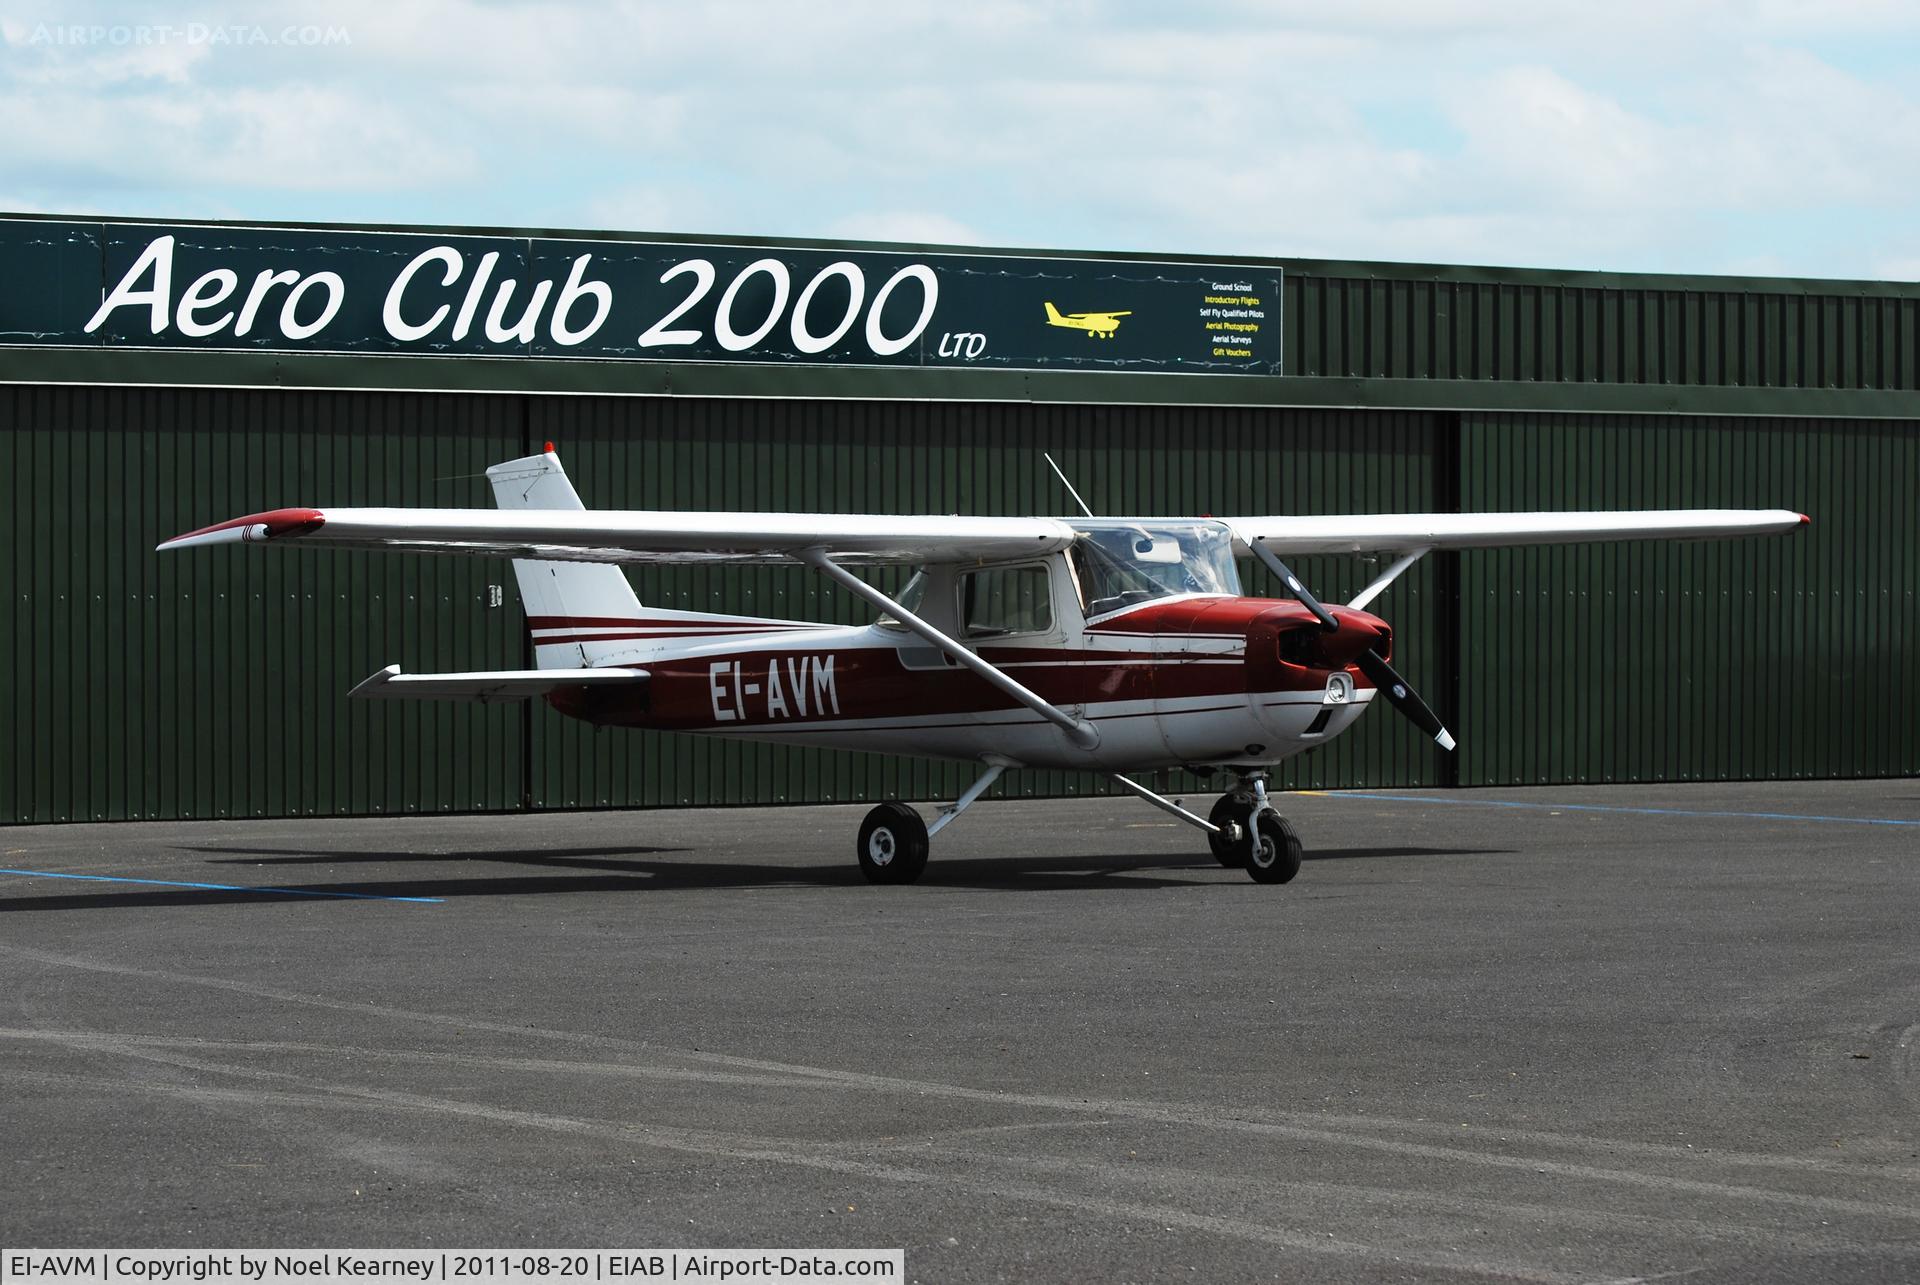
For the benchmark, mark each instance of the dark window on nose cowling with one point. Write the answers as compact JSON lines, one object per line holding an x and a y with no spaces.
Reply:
{"x":1302,"y":647}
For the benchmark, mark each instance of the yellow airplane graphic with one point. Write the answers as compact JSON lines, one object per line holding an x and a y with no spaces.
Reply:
{"x":1098,"y":325}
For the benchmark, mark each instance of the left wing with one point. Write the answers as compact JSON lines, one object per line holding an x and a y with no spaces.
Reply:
{"x":604,"y":535}
{"x":1405,"y":532}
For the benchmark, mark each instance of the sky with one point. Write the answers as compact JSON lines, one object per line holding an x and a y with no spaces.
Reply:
{"x":1762,"y":137}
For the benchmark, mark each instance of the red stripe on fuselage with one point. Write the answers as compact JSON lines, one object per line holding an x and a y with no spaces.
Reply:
{"x":556,"y":640}
{"x":672,"y":622}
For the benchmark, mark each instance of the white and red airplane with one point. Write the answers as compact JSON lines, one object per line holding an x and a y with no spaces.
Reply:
{"x":1112,"y":644}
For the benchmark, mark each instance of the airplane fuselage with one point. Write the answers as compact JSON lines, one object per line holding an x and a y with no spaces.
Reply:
{"x":1192,"y":680}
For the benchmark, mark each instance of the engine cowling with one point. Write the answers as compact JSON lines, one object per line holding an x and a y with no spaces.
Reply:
{"x":1288,"y":649}
{"x":1208,"y":712}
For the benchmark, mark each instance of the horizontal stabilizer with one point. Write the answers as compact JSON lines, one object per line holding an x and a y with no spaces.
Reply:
{"x":489,"y":685}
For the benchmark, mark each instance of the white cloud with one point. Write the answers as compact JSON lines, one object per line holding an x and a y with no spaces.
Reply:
{"x":1547,"y":142}
{"x":101,"y":68}
{"x":923,"y":226}
{"x":1639,"y":134}
{"x":296,"y":138}
{"x":640,"y":209}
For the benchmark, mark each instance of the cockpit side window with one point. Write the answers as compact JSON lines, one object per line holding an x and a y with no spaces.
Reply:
{"x":1006,"y":600}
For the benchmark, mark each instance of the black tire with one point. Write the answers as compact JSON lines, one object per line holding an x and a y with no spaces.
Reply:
{"x":893,"y":844}
{"x":1235,"y":807}
{"x":1279,"y":857}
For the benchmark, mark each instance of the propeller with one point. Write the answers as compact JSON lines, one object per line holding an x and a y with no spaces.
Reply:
{"x":1397,"y":690}
{"x":1296,"y":587}
{"x":1402,"y":697}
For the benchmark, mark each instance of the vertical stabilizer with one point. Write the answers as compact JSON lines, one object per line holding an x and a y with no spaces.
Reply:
{"x":567,"y":603}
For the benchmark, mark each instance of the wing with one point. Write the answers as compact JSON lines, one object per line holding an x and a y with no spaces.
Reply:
{"x":1382,"y":532}
{"x":614,"y":536}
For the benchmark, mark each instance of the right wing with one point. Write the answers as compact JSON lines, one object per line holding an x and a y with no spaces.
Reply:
{"x":1405,"y":532}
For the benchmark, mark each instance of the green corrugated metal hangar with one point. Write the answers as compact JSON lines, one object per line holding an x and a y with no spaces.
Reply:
{"x":160,"y":376}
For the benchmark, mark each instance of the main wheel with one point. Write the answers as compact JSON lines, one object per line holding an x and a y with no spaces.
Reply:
{"x":1278,"y":859}
{"x":893,"y":844}
{"x":1236,"y":808}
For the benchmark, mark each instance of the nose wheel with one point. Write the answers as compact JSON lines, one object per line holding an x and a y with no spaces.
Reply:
{"x":1276,"y":858}
{"x":1252,"y":835}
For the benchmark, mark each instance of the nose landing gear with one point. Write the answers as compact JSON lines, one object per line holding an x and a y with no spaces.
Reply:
{"x":1276,"y":859}
{"x":1244,"y":830}
{"x":1251,"y":833}
{"x":1272,"y":848}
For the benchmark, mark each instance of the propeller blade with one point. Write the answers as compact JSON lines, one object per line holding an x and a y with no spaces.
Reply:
{"x":1402,"y":696}
{"x":1295,"y":586}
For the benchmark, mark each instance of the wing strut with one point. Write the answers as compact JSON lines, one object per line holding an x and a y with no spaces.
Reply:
{"x":1385,"y":578}
{"x":1078,"y":730}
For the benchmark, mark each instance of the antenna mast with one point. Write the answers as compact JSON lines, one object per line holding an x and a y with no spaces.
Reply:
{"x":1063,"y":481}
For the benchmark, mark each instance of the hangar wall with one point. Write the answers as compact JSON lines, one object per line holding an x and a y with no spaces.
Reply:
{"x":211,"y":684}
{"x":1516,"y":325}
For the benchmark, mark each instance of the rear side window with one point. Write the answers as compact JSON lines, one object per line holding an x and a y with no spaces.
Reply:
{"x":1006,"y":600}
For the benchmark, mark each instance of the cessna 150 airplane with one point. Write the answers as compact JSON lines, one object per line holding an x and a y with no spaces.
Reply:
{"x":1112,"y":644}
{"x":1098,"y":325}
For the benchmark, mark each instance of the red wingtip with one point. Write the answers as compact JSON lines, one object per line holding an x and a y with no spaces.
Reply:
{"x":1805,"y":520}
{"x":255,"y":526}
{"x":549,"y":448}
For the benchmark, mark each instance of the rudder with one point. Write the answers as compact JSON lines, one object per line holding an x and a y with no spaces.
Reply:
{"x":559,"y":597}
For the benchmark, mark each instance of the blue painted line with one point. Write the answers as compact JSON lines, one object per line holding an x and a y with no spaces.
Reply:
{"x":1607,"y":807}
{"x":225,"y":887}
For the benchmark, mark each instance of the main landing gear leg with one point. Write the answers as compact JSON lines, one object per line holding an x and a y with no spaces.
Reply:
{"x":893,"y":841}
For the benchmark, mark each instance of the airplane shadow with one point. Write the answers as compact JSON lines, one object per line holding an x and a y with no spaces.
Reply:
{"x":1362,"y":854}
{"x":575,"y":858}
{"x":1135,"y":872}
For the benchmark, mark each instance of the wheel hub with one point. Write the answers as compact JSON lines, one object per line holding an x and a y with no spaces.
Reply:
{"x":880,"y":846}
{"x":1267,"y":854}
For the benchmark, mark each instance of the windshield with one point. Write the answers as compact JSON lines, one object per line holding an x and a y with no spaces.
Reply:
{"x":1122,"y":563}
{"x":909,"y":597}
